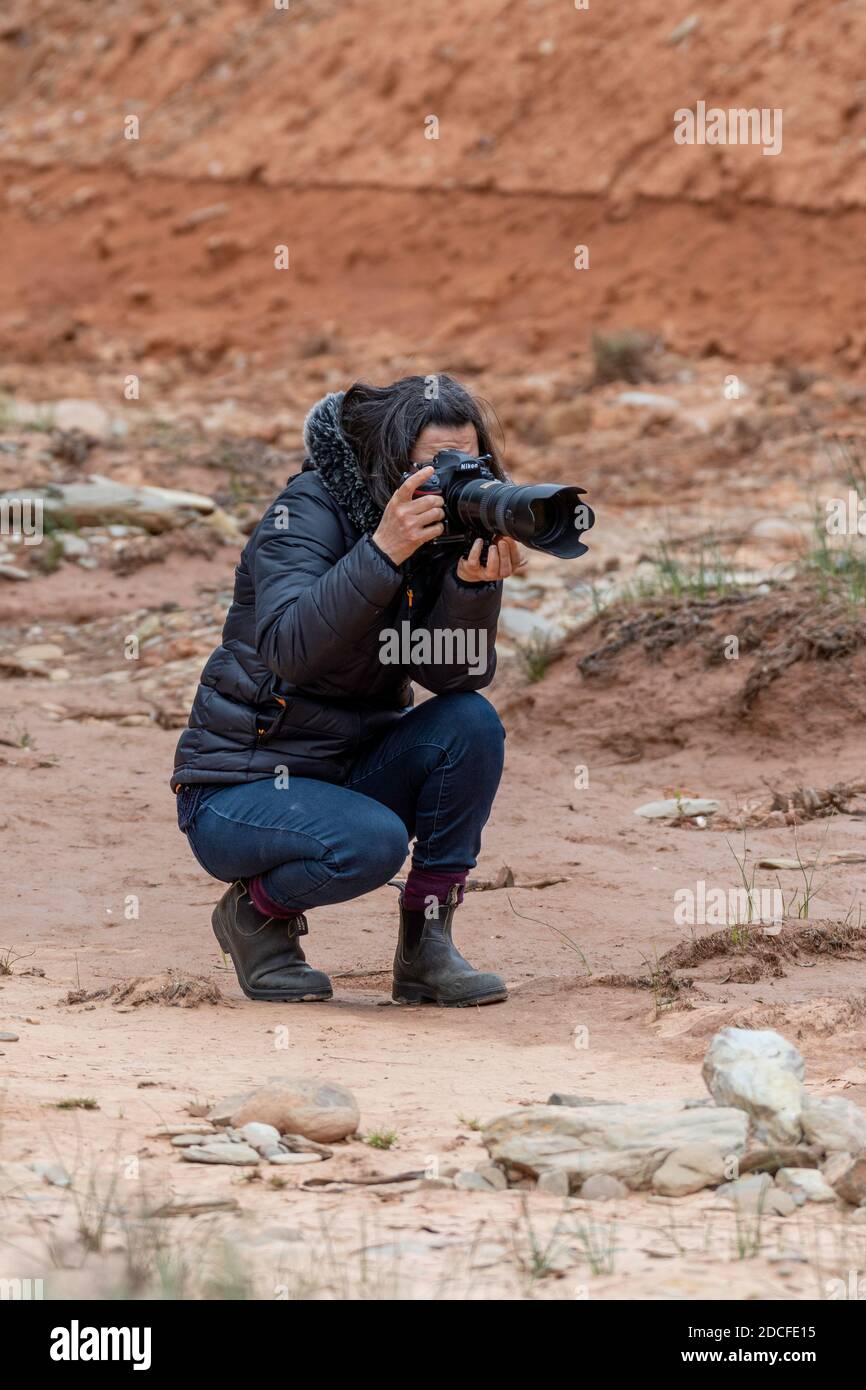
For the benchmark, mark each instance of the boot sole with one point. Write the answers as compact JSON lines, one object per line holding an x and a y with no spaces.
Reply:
{"x":273,"y":996}
{"x":414,"y":994}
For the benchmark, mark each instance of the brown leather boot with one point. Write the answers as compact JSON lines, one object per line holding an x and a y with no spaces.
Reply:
{"x":428,"y":968}
{"x":266,"y":951}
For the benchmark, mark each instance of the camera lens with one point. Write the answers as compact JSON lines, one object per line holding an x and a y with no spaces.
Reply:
{"x":543,"y":516}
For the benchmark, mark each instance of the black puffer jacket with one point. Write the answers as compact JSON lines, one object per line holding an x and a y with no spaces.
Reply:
{"x":297,"y":681}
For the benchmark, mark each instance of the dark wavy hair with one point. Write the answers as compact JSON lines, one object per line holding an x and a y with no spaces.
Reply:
{"x":382,"y":424}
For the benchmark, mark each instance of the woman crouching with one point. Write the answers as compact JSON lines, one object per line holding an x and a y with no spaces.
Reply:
{"x":305,"y":771}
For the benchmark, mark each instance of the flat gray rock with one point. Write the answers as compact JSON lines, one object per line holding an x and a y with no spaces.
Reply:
{"x":563,"y":1098}
{"x":756,"y":1194}
{"x":493,"y":1175}
{"x":689,"y":1169}
{"x":805,"y":1185}
{"x":555,"y":1182}
{"x":297,"y":1144}
{"x":602,"y":1187}
{"x":470,"y":1181}
{"x":628,"y":1142}
{"x":235,"y":1155}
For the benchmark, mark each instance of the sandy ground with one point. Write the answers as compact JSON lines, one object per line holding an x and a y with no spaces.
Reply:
{"x":88,"y":819}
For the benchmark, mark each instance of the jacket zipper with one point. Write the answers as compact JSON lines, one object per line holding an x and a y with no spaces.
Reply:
{"x":410,"y":599}
{"x":266,"y":732}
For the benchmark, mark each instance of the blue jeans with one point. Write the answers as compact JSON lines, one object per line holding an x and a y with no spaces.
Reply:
{"x":432,"y":775}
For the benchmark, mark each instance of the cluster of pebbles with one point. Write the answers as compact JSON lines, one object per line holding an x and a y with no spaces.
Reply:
{"x":251,"y":1144}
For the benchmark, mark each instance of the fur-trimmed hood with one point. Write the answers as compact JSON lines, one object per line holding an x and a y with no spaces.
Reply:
{"x":332,"y":456}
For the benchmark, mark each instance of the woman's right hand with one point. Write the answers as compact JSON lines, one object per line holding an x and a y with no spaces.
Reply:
{"x":409,"y":521}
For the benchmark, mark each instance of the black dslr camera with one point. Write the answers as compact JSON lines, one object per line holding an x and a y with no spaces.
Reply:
{"x":544,"y":516}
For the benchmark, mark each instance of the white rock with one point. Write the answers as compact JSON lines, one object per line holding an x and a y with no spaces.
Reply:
{"x":689,"y":1169}
{"x":752,"y":1182}
{"x":473,"y":1182}
{"x":602,"y":1187}
{"x":38,"y":653}
{"x":684,"y":806}
{"x":735,"y":1044}
{"x":260,"y":1137}
{"x":51,"y":1172}
{"x":834,"y":1123}
{"x":72,"y":546}
{"x":555,"y":1183}
{"x":82,"y":415}
{"x":780,"y":1203}
{"x":758,"y":1071}
{"x":805,"y":1184}
{"x":835,"y":1165}
{"x":493,"y":1175}
{"x":525,"y":623}
{"x":626,"y":1141}
{"x":98,"y":500}
{"x":648,"y":400}
{"x":756,"y":1194}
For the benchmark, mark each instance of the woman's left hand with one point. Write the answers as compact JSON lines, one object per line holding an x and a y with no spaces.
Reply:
{"x":504,"y":557}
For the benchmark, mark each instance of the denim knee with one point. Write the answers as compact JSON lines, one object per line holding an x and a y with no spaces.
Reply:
{"x":379,"y":853}
{"x":473,"y":723}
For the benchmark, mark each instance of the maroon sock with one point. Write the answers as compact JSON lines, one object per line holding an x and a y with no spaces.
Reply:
{"x":422,"y":884}
{"x":266,"y":904}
